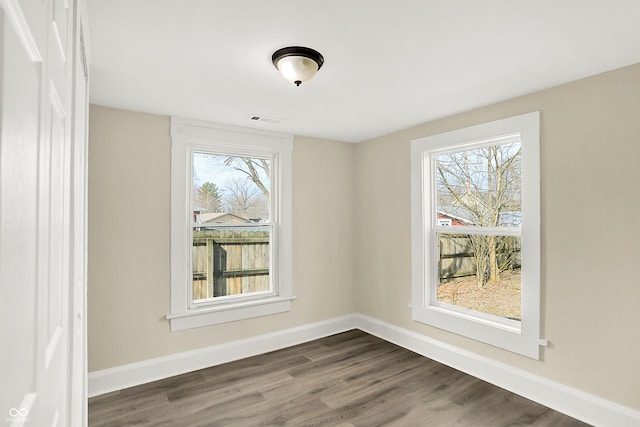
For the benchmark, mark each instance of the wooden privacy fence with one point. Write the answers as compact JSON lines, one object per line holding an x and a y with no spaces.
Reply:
{"x":457,"y":257}
{"x":230,"y":261}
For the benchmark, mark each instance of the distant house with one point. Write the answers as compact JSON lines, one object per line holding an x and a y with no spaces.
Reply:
{"x":449,"y":220}
{"x":454,"y":217}
{"x":513,"y":219}
{"x":221,"y":218}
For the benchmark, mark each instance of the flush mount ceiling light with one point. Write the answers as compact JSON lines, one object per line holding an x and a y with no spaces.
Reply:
{"x":297,"y":64}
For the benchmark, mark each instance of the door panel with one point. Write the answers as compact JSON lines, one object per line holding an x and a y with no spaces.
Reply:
{"x":20,"y":119}
{"x":59,"y":25}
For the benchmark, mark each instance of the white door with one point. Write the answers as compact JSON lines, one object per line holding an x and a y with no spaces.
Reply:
{"x":36,"y":220}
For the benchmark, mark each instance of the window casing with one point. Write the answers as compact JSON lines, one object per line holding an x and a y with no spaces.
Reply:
{"x":518,"y":221}
{"x":194,"y":305}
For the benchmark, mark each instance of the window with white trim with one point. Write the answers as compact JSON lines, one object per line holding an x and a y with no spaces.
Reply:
{"x":230,"y":223}
{"x":475,"y":195}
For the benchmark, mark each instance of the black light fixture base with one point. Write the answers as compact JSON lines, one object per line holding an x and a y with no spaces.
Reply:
{"x":307,"y":52}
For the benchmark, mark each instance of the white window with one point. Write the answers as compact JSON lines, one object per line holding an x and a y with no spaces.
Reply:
{"x":230,"y":223}
{"x":479,"y":276}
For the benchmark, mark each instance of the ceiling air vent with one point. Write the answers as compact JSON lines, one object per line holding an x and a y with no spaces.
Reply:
{"x":264,"y":119}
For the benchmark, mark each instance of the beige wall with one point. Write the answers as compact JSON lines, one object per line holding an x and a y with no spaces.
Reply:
{"x":352,"y":235}
{"x":128,"y":284}
{"x":590,"y":143}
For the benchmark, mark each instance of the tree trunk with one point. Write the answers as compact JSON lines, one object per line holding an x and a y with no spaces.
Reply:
{"x":494,"y":270}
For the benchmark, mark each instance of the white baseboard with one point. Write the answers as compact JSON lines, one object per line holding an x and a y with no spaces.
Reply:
{"x":571,"y":401}
{"x":565,"y":399}
{"x":112,"y":379}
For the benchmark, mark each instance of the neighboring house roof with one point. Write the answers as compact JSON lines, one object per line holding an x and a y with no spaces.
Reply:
{"x":220,"y":218}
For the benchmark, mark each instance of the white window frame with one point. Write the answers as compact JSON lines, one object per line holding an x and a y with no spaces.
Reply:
{"x":519,"y":337}
{"x":187,"y":137}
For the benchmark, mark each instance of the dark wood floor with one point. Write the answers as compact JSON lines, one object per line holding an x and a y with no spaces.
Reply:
{"x":349,"y":379}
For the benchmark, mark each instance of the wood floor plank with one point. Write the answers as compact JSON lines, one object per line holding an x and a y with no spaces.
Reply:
{"x":351,"y":379}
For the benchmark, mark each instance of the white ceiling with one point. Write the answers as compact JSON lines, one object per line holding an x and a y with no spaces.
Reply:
{"x":389,"y":64}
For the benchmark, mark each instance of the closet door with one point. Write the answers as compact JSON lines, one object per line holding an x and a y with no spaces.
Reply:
{"x":36,"y":201}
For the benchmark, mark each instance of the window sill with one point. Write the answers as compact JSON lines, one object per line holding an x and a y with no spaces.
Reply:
{"x":214,"y":315}
{"x":502,"y":334}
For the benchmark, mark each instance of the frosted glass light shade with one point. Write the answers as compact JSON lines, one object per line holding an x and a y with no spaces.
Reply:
{"x":297,"y":68}
{"x":297,"y":64}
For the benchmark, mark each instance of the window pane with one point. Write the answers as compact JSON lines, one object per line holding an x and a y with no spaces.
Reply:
{"x":231,"y":225}
{"x":480,"y":187}
{"x":230,"y":260}
{"x":480,"y":273}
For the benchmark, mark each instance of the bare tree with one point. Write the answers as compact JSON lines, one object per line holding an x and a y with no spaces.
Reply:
{"x":244,"y":199}
{"x":484,"y":184}
{"x":252,"y":167}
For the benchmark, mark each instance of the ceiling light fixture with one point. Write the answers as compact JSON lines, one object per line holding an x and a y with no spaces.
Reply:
{"x":297,"y":64}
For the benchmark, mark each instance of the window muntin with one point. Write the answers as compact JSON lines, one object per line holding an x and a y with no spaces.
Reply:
{"x":439,"y":215}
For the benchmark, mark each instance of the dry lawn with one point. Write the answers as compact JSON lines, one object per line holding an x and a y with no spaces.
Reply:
{"x":499,"y":299}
